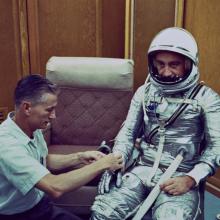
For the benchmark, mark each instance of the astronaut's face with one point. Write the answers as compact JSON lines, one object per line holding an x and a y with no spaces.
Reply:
{"x":170,"y":65}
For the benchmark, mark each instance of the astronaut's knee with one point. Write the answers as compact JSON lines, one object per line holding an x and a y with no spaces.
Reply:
{"x":173,"y":212}
{"x":103,"y":209}
{"x":93,"y":217}
{"x":96,"y":216}
{"x":100,"y":214}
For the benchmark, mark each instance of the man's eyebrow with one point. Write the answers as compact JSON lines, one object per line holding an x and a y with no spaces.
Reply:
{"x":158,"y":60}
{"x":51,"y":107}
{"x":175,"y":62}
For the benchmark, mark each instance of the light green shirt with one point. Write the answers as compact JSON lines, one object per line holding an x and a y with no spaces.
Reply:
{"x":22,"y":165}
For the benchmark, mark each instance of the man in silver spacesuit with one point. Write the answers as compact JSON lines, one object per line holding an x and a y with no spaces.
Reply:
{"x":171,"y":113}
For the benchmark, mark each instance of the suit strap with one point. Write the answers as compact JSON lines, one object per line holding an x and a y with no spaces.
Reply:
{"x":176,"y":114}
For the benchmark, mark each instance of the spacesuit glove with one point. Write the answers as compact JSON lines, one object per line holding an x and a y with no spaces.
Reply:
{"x":108,"y":178}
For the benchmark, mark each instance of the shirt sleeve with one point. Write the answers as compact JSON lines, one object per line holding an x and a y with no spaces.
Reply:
{"x":20,"y":168}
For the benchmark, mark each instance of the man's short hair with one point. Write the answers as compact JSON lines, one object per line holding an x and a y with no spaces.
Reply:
{"x":32,"y":88}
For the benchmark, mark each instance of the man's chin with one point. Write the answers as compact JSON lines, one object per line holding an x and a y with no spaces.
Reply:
{"x":46,"y":125}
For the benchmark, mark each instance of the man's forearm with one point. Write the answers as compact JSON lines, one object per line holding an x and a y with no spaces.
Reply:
{"x":57,"y":185}
{"x":59,"y":161}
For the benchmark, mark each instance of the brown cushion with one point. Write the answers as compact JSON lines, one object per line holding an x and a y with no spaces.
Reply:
{"x":67,"y":149}
{"x":78,"y":201}
{"x":86,"y":117}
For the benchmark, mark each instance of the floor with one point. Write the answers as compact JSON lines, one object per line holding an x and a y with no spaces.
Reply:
{"x":212,"y":206}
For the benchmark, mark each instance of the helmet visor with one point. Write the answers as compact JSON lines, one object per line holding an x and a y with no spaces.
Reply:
{"x":168,"y":67}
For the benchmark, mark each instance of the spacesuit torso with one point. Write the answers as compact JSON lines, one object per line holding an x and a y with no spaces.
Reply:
{"x":153,"y":108}
{"x":184,"y":131}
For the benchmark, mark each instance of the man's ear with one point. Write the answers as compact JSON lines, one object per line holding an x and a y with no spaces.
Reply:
{"x":26,"y":107}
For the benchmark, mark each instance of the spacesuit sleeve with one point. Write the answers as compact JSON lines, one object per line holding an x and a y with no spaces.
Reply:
{"x":210,"y":102}
{"x":127,"y":135}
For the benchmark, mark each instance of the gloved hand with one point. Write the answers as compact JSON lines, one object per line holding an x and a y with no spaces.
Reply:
{"x":109,"y":178}
{"x":104,"y":148}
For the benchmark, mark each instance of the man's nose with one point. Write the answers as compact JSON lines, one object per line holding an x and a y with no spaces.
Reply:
{"x":166,"y":71}
{"x":52,"y":115}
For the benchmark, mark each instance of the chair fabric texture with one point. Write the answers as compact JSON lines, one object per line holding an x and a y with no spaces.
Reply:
{"x":93,"y":102}
{"x":94,"y":97}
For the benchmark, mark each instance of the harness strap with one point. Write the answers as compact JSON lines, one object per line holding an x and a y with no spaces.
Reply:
{"x":176,"y":114}
{"x":159,"y":154}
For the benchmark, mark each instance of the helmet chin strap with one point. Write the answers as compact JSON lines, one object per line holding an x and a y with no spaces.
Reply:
{"x":178,"y":87}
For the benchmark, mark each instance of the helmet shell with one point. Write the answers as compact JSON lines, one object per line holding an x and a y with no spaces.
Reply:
{"x":176,"y":40}
{"x":180,"y":41}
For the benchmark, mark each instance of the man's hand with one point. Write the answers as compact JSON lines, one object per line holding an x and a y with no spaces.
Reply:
{"x":56,"y":185}
{"x":112,"y":176}
{"x":88,"y":157}
{"x":178,"y":185}
{"x":113,"y":161}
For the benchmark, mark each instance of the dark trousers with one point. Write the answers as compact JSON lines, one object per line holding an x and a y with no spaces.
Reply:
{"x":43,"y":210}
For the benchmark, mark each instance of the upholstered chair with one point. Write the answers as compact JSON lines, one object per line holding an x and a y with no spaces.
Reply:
{"x":93,"y":101}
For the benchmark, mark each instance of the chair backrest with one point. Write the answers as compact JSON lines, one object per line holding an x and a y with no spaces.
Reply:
{"x":94,"y":98}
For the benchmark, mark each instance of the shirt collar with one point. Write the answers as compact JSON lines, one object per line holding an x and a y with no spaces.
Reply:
{"x":16,"y":130}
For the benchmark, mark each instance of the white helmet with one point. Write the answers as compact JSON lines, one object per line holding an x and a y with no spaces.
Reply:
{"x":180,"y":41}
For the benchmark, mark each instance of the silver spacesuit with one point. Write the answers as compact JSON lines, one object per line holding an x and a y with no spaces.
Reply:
{"x":168,"y":115}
